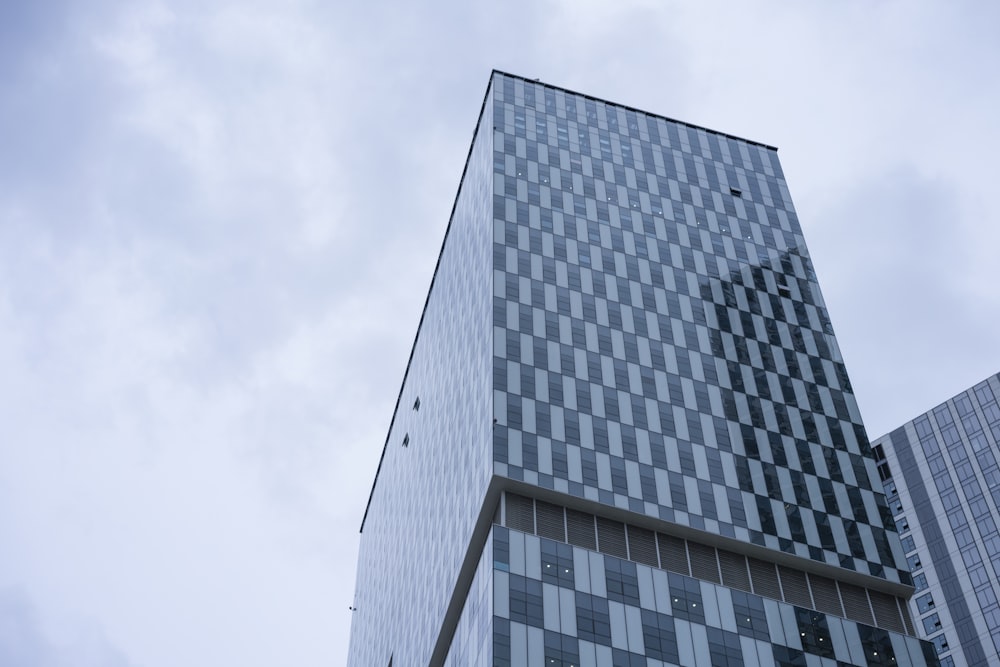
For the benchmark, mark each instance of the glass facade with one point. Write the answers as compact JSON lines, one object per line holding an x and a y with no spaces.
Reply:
{"x":436,"y":465}
{"x":942,"y":481}
{"x":603,"y":610}
{"x":632,"y":438}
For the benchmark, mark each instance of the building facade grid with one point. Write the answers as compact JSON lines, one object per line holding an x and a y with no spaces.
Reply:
{"x":942,"y":480}
{"x":641,"y":331}
{"x":625,"y":325}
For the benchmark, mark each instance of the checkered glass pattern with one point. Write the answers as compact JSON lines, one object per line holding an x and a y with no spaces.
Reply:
{"x":660,"y":341}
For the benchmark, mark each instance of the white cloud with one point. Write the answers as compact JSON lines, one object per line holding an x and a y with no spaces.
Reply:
{"x":26,"y":642}
{"x":218,"y":222}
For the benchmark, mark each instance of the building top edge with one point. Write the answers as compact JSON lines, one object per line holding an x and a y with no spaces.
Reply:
{"x":951,"y":398}
{"x":631,"y":108}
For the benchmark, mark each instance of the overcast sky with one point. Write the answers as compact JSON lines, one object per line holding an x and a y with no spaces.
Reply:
{"x":218,"y":223}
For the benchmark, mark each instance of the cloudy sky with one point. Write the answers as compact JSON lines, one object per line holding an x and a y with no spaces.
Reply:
{"x":219,"y":219}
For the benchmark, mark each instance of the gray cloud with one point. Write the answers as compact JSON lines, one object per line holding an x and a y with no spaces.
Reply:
{"x":218,"y":222}
{"x":25,"y":642}
{"x":913,"y":335}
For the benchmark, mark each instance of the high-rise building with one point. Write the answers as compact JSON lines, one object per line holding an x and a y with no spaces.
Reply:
{"x":942,"y":480}
{"x":625,"y":435}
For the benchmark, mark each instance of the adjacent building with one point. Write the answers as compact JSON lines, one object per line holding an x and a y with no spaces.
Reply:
{"x":942,"y":480}
{"x":626,"y":435}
